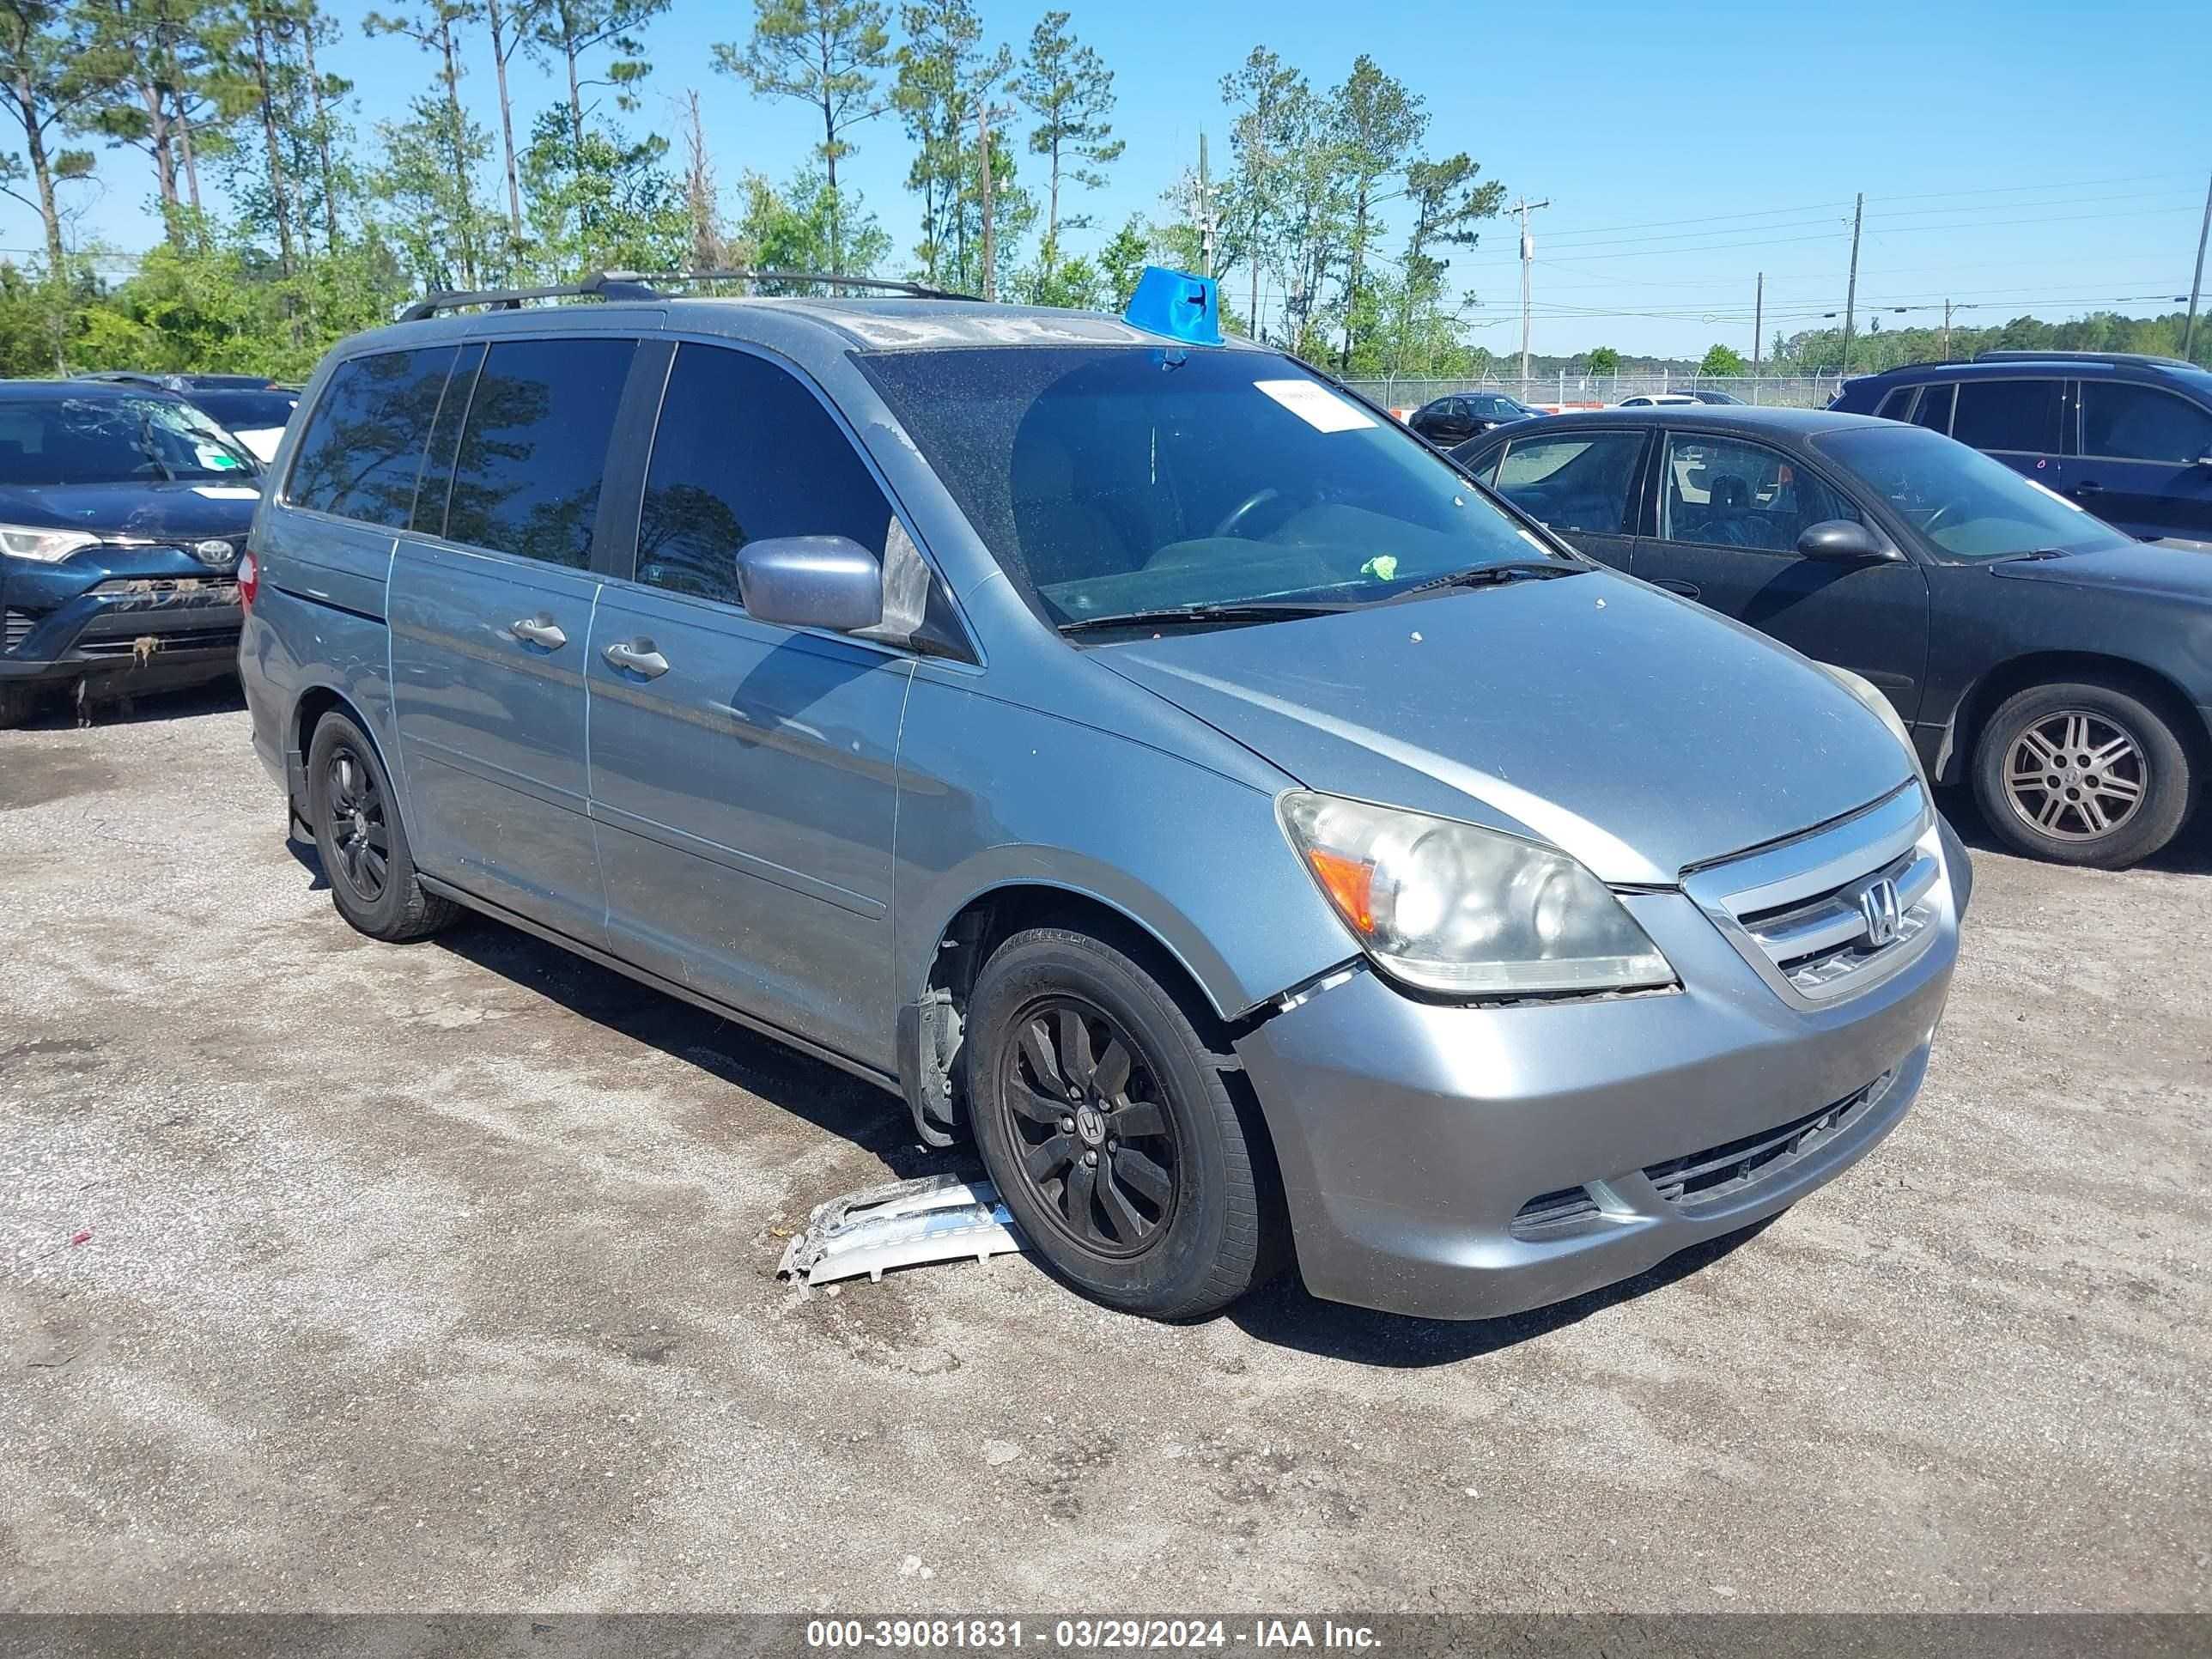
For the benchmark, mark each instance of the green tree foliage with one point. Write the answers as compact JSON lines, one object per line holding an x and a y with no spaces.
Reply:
{"x":1723,"y":360}
{"x":1070,"y":90}
{"x":945,"y":77}
{"x":1603,"y":360}
{"x":1822,"y":349}
{"x":567,"y":32}
{"x":809,"y":225}
{"x":608,"y":205}
{"x":39,"y":43}
{"x":827,"y":54}
{"x":1378,"y":122}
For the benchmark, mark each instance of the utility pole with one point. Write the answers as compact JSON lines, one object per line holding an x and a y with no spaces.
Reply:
{"x":1851,"y":291}
{"x":1205,"y":211}
{"x":1758,"y":322}
{"x":2197,"y":285}
{"x":1947,"y":328}
{"x":1524,"y":207}
{"x":983,"y":168}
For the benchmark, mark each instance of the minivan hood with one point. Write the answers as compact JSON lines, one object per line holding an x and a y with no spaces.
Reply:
{"x":2168,"y":572}
{"x":145,"y":510}
{"x":1620,"y":724}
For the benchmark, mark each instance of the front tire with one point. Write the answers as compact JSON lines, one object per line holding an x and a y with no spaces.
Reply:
{"x":361,"y":840}
{"x":1103,"y":1114}
{"x":2082,"y":774}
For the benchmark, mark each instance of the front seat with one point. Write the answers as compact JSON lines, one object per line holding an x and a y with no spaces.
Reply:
{"x":1064,"y":537}
{"x":1728,"y":520}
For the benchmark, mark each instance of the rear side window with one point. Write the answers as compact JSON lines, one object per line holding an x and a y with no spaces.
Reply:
{"x":1935,"y":410}
{"x":2141,"y":423}
{"x":2011,"y":414}
{"x":1892,"y":407}
{"x":744,"y":451}
{"x":1573,"y":482}
{"x":533,"y":451}
{"x":363,"y":448}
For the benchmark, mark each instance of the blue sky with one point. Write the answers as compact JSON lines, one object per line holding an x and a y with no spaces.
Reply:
{"x":2014,"y":157}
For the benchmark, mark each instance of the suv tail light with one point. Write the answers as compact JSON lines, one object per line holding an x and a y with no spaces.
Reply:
{"x":249,"y":579}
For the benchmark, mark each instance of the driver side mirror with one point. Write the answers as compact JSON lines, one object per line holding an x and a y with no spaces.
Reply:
{"x":812,"y":581}
{"x":1843,"y":540}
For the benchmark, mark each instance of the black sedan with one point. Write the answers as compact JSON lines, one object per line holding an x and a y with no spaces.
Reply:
{"x":1448,"y":421}
{"x":2063,"y":669}
{"x":122,"y":510}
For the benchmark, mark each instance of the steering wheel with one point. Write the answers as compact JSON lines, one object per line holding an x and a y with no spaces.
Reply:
{"x":1239,"y":513}
{"x":1942,"y":512}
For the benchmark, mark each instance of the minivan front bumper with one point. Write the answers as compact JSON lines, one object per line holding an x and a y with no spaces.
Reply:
{"x":1461,"y":1163}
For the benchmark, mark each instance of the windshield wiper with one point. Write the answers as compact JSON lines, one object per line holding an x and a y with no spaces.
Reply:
{"x":1188,"y":615}
{"x":2033,"y":553}
{"x":1492,"y":575}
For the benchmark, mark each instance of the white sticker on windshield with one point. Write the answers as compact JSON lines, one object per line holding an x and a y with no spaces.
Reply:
{"x":1316,"y":405}
{"x":226,"y":492}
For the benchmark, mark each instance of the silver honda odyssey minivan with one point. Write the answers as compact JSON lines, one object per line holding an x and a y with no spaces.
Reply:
{"x":1145,"y":756}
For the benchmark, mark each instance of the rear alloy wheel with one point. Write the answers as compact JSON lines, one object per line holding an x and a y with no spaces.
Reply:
{"x":361,"y":840}
{"x":2082,"y":774}
{"x":1103,"y":1114}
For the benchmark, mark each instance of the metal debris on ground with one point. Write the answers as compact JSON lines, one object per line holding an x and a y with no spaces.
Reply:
{"x":905,"y":1224}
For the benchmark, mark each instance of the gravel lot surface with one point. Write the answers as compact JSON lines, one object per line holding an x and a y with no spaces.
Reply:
{"x":441,"y":1277}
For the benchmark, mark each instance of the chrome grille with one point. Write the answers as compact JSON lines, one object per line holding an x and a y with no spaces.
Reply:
{"x":1732,"y":1169}
{"x":1835,"y":912}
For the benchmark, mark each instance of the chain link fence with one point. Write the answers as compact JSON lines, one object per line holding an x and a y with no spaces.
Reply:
{"x":1570,"y":390}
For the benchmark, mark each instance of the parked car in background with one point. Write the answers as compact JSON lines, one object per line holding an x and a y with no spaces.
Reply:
{"x":122,"y":510}
{"x":1257,"y":783}
{"x":1448,"y":421}
{"x":2127,"y":436}
{"x":2036,"y":652}
{"x":251,"y":406}
{"x":1658,"y":400}
{"x":1706,"y":394}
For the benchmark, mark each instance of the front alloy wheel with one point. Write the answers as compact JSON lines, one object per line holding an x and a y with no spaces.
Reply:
{"x":2076,"y":776}
{"x":1097,"y":1148}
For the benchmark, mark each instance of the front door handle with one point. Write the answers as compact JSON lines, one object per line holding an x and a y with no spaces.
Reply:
{"x":2088,"y":487}
{"x":637,"y":657}
{"x":1687,"y":590}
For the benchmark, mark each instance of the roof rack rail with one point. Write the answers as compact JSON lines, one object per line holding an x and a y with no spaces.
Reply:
{"x":2013,"y":356}
{"x":638,"y":285}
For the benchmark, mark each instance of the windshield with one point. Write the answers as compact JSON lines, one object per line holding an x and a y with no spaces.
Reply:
{"x":1967,"y":505}
{"x":82,"y":440}
{"x":1112,"y":480}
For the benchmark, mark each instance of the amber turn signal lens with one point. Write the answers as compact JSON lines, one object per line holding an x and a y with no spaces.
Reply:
{"x":1350,"y":885}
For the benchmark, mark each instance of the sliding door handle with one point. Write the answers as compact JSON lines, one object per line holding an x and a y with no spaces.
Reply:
{"x":538,"y":630}
{"x":637,"y":657}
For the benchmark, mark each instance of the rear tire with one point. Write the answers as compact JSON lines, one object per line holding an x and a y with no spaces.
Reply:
{"x":1102,"y":1111}
{"x":361,"y":840}
{"x":2082,"y":772}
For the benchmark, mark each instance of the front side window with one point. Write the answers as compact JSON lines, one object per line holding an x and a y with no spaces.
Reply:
{"x":1967,"y":505}
{"x":743,"y":452}
{"x":2017,"y":416}
{"x":109,"y":439}
{"x":2126,"y":422}
{"x":1111,"y":480}
{"x":362,"y":448}
{"x":1573,"y":481}
{"x":533,"y":450}
{"x":1723,"y":492}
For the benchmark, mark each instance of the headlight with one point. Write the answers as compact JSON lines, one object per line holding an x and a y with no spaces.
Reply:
{"x":1450,"y":908}
{"x":46,"y":546}
{"x":1870,"y":694}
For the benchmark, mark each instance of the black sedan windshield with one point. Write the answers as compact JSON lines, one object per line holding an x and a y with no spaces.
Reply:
{"x":1109,"y":481}
{"x":1969,"y":506}
{"x":82,"y":440}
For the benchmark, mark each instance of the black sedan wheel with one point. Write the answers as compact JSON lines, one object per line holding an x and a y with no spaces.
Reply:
{"x":1102,"y":1112}
{"x":2082,"y":774}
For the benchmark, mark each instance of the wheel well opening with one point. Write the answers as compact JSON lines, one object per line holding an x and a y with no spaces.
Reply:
{"x":937,"y":1082}
{"x":315,"y":702}
{"x":2050,"y":667}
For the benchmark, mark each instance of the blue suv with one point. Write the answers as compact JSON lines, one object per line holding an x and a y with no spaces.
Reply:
{"x":2128,"y":437}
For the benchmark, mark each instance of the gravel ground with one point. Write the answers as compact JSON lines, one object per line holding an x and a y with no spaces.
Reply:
{"x":441,"y":1277}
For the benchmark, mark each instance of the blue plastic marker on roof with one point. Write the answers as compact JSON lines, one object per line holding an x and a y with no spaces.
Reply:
{"x":1177,"y":304}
